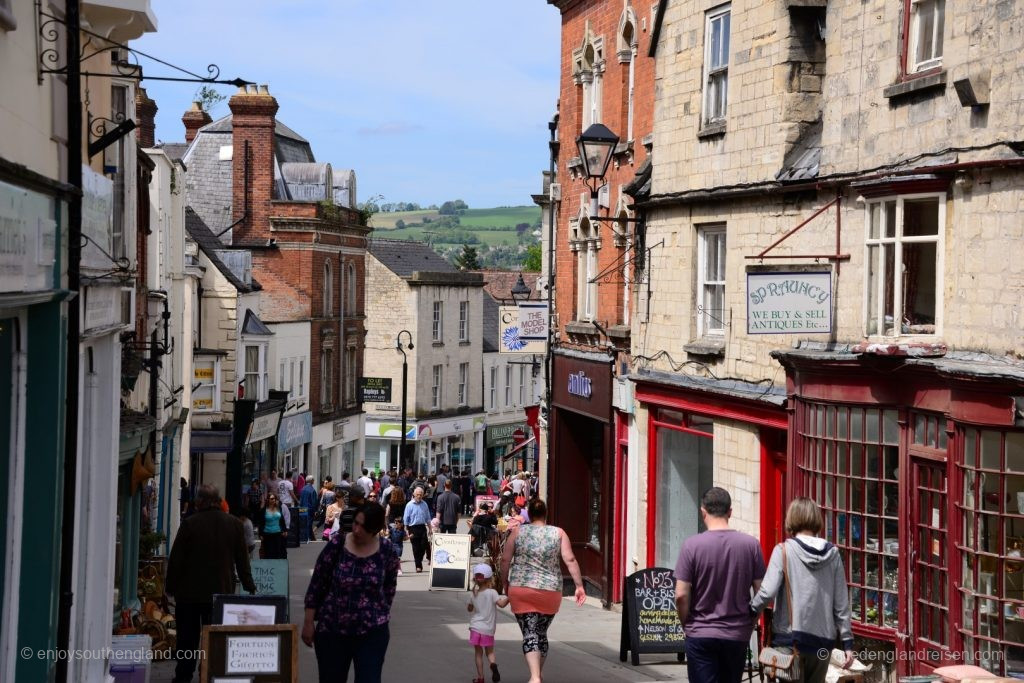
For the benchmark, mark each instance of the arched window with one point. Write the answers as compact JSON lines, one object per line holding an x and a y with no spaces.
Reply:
{"x":627,"y":55}
{"x":328,"y":289}
{"x":586,"y":286}
{"x":589,"y":67}
{"x":352,"y":285}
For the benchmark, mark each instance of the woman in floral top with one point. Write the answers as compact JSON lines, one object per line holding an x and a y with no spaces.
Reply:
{"x":349,"y":599}
{"x":533,"y":574}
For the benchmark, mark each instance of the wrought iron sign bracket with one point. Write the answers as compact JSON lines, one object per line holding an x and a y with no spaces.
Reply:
{"x":837,"y":257}
{"x":609,"y":274}
{"x":125,"y":60}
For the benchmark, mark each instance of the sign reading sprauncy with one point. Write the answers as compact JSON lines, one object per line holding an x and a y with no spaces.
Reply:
{"x":789,"y":302}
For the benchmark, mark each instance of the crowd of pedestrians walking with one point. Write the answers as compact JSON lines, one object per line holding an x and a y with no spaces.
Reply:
{"x":722,"y":582}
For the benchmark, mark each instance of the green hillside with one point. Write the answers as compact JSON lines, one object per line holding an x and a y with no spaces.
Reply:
{"x":491,"y":231}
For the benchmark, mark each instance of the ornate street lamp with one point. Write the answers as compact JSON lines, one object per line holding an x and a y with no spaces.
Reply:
{"x":596,"y":145}
{"x":405,"y":378}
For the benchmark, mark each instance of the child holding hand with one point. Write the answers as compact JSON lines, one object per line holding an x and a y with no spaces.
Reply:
{"x":483,"y":605}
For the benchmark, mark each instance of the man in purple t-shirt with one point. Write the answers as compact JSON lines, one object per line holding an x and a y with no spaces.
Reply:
{"x":716,"y":574}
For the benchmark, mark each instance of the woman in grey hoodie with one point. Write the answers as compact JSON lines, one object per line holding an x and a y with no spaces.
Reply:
{"x":817,"y":583}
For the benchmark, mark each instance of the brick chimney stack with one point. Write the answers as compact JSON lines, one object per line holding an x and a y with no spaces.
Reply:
{"x":194,"y":119}
{"x":252,"y":166}
{"x":145,"y":110}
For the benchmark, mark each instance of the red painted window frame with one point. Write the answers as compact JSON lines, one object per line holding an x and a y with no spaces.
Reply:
{"x":905,"y":74}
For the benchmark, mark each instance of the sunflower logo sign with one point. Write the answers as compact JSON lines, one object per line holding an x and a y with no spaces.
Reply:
{"x":511,"y":339}
{"x":524,"y":327}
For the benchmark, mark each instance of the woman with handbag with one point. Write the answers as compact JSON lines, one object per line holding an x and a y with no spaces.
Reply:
{"x":812,"y":603}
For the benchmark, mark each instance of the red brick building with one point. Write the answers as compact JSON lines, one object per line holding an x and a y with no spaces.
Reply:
{"x":607,"y":76}
{"x":256,"y":182}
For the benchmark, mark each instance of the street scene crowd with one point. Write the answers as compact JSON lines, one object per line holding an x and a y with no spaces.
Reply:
{"x":722,"y":584}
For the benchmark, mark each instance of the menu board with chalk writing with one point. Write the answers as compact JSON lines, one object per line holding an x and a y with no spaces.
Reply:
{"x":650,"y":623}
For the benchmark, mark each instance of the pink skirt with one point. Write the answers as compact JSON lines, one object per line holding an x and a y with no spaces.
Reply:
{"x":477,"y":638}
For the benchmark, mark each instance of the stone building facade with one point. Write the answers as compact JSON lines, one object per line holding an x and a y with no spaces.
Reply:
{"x":419,"y":293}
{"x":881,"y":140}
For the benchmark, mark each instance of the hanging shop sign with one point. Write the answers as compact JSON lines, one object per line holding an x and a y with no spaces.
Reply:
{"x":295,"y":430}
{"x":97,"y":219}
{"x":264,"y":427}
{"x":28,"y":240}
{"x":523,"y":328}
{"x":790,"y":302}
{"x":504,"y":435}
{"x":374,"y":389}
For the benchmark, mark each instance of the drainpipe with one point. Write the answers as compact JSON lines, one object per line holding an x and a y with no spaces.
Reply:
{"x":553,"y":146}
{"x":72,"y":22}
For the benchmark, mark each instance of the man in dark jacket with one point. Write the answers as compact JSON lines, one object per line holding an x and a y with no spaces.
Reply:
{"x":448,"y":506}
{"x":207,"y":552}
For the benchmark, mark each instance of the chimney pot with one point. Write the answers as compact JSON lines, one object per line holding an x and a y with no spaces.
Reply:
{"x":241,"y":89}
{"x":264,"y":89}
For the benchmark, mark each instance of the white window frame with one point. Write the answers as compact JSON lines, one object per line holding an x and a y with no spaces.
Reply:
{"x":463,"y":321}
{"x":437,"y":377}
{"x":261,"y":374}
{"x":463,"y":383}
{"x":586,"y":287}
{"x":214,"y":385}
{"x":591,"y":80}
{"x":917,"y":9}
{"x":898,"y":240}
{"x":328,"y":299}
{"x":716,"y":78}
{"x":707,"y":325}
{"x":508,"y":386}
{"x":522,"y":385}
{"x":437,"y":325}
{"x":494,"y":387}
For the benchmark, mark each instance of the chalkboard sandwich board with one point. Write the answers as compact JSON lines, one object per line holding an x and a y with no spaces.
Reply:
{"x":449,"y":562}
{"x":261,"y":654}
{"x":650,"y":623}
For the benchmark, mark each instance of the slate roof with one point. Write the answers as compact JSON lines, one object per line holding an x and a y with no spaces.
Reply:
{"x":209,"y":245}
{"x":490,"y":323}
{"x":499,"y":283}
{"x":803,"y":161}
{"x":174,"y":150}
{"x":640,"y":186}
{"x":403,"y":258}
{"x":253,"y":325}
{"x":208,"y":185}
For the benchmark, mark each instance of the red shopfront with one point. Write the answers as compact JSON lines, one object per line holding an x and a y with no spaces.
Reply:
{"x":681,"y":432}
{"x":918,"y":465}
{"x":581,"y":465}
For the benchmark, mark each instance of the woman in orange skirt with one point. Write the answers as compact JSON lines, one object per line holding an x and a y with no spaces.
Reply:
{"x":533,"y":575}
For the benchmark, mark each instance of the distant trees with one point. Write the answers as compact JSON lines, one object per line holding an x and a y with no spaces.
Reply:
{"x":532,"y":262}
{"x":521,"y":228}
{"x":452,"y":207}
{"x":399,"y":224}
{"x":467,"y":259}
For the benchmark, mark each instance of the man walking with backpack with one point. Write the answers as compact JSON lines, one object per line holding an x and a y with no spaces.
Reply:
{"x":447,"y":505}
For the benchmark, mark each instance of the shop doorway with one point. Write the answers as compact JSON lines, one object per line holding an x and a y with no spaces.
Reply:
{"x":929,"y":572}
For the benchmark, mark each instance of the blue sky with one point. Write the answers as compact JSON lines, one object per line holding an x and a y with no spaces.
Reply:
{"x":428,"y":100}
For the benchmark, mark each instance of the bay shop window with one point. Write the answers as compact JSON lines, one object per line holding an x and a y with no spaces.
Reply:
{"x":928,"y":515}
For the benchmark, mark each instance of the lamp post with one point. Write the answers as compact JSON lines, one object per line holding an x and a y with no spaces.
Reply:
{"x":596,"y":145}
{"x":405,"y":390}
